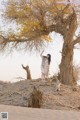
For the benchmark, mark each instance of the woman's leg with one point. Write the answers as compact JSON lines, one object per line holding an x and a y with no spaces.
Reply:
{"x":47,"y":73}
{"x":43,"y":77}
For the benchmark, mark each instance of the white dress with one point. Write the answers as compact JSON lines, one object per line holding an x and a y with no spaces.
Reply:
{"x":45,"y":66}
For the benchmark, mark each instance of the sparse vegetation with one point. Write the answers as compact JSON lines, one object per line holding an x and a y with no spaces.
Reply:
{"x":76,"y":72}
{"x":35,"y":99}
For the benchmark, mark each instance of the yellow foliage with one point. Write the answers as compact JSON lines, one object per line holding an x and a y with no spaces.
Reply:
{"x":32,"y":17}
{"x":29,"y":27}
{"x":47,"y":38}
{"x":60,"y":5}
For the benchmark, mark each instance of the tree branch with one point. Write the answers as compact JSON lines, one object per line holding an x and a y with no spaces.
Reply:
{"x":76,"y":41}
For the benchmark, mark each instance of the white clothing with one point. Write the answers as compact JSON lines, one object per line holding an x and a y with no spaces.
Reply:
{"x":45,"y":66}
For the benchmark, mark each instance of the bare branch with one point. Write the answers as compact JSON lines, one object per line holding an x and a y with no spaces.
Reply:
{"x":76,"y":41}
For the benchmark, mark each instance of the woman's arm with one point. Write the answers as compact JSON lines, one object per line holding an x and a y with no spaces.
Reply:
{"x":41,"y":53}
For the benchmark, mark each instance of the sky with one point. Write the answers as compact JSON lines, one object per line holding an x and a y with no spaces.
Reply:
{"x":10,"y":64}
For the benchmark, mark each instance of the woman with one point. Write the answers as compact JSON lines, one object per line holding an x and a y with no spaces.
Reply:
{"x":45,"y":66}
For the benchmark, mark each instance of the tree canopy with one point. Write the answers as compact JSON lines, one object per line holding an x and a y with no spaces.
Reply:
{"x":36,"y":19}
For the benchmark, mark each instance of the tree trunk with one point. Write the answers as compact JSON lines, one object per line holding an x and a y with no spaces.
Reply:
{"x":66,"y":66}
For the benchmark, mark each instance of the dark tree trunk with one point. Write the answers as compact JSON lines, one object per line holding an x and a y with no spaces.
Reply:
{"x":66,"y":66}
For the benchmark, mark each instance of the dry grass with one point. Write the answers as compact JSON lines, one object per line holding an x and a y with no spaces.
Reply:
{"x":76,"y":72}
{"x":35,"y":99}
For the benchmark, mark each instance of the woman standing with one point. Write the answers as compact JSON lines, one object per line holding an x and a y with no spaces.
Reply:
{"x":46,"y":60}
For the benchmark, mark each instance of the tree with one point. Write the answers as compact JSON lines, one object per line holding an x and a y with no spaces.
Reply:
{"x":36,"y":19}
{"x":28,"y":73}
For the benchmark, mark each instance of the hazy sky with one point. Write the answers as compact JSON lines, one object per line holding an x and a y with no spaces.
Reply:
{"x":10,"y":65}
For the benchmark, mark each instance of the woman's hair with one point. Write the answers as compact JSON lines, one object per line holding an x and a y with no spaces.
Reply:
{"x":49,"y":58}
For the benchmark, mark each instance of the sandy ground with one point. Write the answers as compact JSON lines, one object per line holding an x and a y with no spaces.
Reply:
{"x":18,"y":94}
{"x":22,"y":113}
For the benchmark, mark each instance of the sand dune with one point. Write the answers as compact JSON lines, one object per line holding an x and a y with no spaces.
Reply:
{"x":23,"y":113}
{"x":19,"y":94}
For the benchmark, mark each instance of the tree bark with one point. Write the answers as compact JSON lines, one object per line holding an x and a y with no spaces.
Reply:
{"x":66,"y":66}
{"x":28,"y":73}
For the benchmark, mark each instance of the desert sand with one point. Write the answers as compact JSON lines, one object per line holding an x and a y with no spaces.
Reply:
{"x":21,"y":113}
{"x":19,"y":94}
{"x":61,"y":105}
